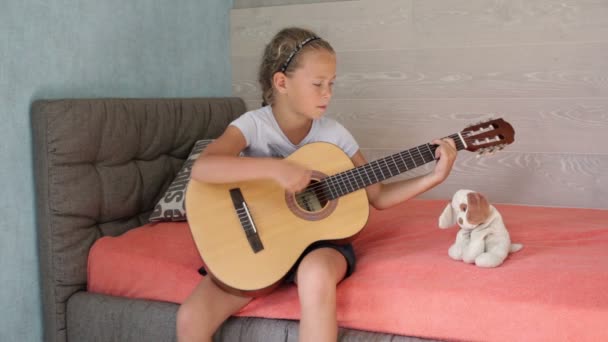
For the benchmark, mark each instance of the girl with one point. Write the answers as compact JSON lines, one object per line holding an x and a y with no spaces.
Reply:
{"x":297,"y":74}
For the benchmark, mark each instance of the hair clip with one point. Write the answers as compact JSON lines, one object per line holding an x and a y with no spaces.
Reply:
{"x":298,"y":48}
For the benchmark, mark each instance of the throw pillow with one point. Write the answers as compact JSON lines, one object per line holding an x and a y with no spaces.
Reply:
{"x":172,"y":206}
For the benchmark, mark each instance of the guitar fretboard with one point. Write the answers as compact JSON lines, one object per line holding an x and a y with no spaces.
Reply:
{"x":379,"y":170}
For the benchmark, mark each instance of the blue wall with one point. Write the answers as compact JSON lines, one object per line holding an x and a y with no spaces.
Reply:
{"x":80,"y":48}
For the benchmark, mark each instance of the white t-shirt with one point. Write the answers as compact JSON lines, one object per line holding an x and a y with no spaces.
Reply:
{"x":266,"y":139}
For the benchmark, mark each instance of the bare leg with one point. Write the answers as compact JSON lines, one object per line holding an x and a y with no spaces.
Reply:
{"x":205,"y":310}
{"x":318,"y":274}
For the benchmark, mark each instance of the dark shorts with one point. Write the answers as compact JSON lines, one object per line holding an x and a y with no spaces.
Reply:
{"x":346,"y":250}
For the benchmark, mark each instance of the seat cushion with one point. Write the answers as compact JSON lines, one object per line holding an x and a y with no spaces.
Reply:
{"x":405,"y":282}
{"x":158,"y":261}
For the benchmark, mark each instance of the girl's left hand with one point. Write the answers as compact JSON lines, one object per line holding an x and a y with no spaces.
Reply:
{"x":446,"y":155}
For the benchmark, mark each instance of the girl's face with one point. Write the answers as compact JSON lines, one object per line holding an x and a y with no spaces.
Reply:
{"x":310,"y":86}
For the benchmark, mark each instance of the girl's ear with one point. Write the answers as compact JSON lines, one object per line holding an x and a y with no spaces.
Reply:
{"x":279,"y":81}
{"x":447,"y":218}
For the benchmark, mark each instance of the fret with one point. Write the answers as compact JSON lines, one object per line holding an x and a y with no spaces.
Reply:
{"x":368,"y":167}
{"x":388,"y":167}
{"x":344,"y":181}
{"x":428,"y":147}
{"x":404,"y":161}
{"x":336,"y":180}
{"x":458,"y":140}
{"x":347,"y":181}
{"x":336,"y":187}
{"x":332,"y":180}
{"x":380,"y":168}
{"x":367,"y":174}
{"x":421,"y":155}
{"x":357,"y":178}
{"x":327,"y":186}
{"x":371,"y":166}
{"x":412,"y":157}
{"x":396,"y":165}
{"x":327,"y":182}
{"x":353,"y":178}
{"x":361,"y":177}
{"x":342,"y":184}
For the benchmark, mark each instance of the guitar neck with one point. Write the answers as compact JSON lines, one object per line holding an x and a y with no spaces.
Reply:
{"x":379,"y":170}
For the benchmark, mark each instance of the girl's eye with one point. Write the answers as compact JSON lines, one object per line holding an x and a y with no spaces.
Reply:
{"x":317,"y":84}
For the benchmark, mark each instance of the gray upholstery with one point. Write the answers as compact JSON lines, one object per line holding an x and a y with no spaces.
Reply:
{"x":100,"y":167}
{"x":98,"y":318}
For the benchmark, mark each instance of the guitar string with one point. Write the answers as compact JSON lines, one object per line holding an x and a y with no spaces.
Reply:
{"x":383,"y":168}
{"x":341,"y":180}
{"x":350,"y":174}
{"x":347,"y":181}
{"x":342,"y":183}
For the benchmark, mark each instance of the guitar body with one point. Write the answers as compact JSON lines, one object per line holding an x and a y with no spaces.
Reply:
{"x":284,"y":227}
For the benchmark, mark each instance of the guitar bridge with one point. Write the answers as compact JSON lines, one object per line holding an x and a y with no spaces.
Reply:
{"x":242,"y":211}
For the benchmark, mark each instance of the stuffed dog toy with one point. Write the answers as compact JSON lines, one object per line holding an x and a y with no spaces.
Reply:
{"x":483,"y":238}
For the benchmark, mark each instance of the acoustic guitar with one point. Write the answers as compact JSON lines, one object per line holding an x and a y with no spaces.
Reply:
{"x":250,"y":234}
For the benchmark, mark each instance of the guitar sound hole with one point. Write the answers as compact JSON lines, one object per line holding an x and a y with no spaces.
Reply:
{"x":313,"y":198}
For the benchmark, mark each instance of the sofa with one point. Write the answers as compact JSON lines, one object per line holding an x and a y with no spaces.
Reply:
{"x":100,"y":167}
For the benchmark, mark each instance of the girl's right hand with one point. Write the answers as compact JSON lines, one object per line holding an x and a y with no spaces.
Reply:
{"x":291,"y":176}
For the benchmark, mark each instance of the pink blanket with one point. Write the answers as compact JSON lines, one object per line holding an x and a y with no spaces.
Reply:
{"x":555,"y":289}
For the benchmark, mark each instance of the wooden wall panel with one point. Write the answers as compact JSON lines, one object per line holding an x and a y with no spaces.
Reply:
{"x":549,"y":179}
{"x":572,"y":70}
{"x":412,"y":70}
{"x":410,"y":24}
{"x":265,"y":3}
{"x":550,"y":125}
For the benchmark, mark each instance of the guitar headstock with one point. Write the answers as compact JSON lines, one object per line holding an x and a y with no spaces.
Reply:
{"x":488,"y":136}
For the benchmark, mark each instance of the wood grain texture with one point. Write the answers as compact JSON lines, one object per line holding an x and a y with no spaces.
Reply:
{"x":540,"y":179}
{"x":407,"y":24}
{"x":413,"y":70}
{"x":551,"y":125}
{"x":561,"y":70}
{"x":265,"y":3}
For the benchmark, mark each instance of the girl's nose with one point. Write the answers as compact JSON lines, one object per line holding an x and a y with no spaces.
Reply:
{"x":327,"y":92}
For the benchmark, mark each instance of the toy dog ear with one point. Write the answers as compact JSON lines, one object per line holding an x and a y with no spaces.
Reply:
{"x":447,"y":218}
{"x":479,"y":208}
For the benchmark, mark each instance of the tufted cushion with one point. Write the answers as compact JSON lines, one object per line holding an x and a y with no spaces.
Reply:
{"x":101,"y":165}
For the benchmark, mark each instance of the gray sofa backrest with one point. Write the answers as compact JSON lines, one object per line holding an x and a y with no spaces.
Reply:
{"x":100,"y":167}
